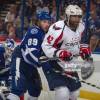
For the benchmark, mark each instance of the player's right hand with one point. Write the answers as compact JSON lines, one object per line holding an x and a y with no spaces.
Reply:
{"x":64,"y":55}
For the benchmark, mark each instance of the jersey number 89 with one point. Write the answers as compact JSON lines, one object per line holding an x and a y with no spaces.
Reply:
{"x":32,"y":42}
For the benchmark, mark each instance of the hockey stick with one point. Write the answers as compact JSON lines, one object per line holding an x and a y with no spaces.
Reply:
{"x":45,"y":59}
{"x":87,"y":68}
{"x":79,"y":80}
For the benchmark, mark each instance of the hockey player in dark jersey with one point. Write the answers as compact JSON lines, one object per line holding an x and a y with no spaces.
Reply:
{"x":25,"y":61}
{"x":6,"y":50}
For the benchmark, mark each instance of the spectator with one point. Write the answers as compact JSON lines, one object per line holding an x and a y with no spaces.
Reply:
{"x":62,"y":14}
{"x":54,"y":14}
{"x":42,"y":8}
{"x":8,"y":25}
{"x":39,"y":8}
{"x":34,"y":20}
{"x":28,"y":10}
{"x":98,"y":7}
{"x":11,"y":15}
{"x":94,"y":25}
{"x":97,"y":49}
{"x":11,"y":30}
{"x":46,"y":8}
{"x":19,"y":32}
{"x":83,"y":6}
{"x":2,"y":30}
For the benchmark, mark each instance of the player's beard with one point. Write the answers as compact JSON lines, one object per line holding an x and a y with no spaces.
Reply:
{"x":73,"y":25}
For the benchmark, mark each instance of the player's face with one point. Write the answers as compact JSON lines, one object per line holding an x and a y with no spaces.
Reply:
{"x":74,"y":21}
{"x":44,"y":24}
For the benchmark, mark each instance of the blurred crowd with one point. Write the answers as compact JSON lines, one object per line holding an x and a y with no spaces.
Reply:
{"x":10,"y":26}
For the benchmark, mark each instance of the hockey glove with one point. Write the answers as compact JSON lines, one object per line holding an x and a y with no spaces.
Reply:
{"x":64,"y":55}
{"x":85,"y":51}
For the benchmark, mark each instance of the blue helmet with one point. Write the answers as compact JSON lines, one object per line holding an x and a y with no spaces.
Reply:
{"x":10,"y":43}
{"x":43,"y":16}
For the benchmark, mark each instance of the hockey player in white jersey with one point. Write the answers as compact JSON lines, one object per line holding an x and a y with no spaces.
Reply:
{"x":63,"y":42}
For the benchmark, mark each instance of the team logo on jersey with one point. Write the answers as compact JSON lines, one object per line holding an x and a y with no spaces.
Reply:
{"x":72,"y":44}
{"x":50,"y":39}
{"x":56,"y":28}
{"x":34,"y":31}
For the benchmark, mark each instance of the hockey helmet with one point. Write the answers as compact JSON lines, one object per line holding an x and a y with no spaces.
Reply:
{"x":73,"y":10}
{"x":43,"y":16}
{"x":10,"y":43}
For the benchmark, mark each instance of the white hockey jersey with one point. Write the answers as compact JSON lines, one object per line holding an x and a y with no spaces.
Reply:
{"x":60,"y":36}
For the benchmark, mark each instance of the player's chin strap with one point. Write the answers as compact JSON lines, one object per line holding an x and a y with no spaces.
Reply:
{"x":84,"y":70}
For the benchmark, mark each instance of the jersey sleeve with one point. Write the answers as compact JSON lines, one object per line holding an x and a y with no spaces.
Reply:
{"x":31,"y":45}
{"x":52,"y":39}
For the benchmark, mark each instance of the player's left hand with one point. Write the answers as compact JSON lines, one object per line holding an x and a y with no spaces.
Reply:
{"x":85,"y":51}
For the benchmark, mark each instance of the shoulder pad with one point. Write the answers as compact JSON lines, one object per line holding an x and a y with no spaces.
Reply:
{"x":56,"y":27}
{"x":34,"y":30}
